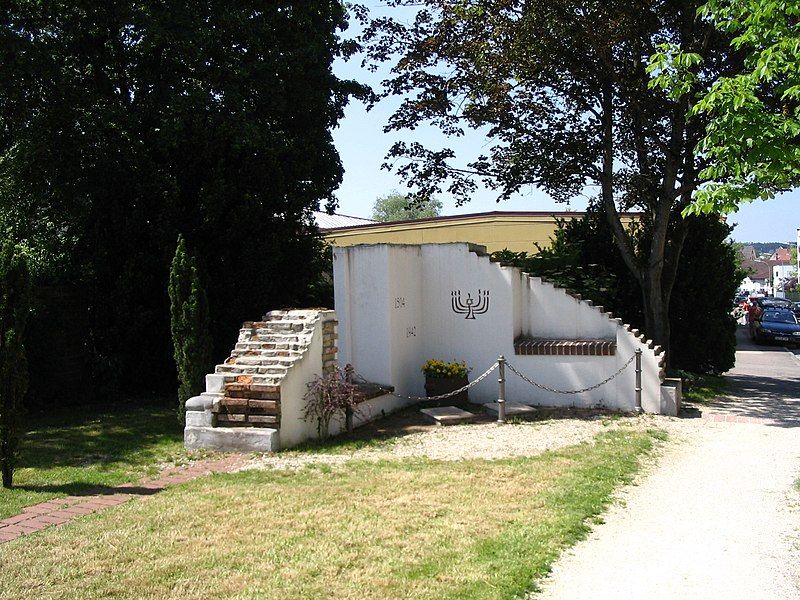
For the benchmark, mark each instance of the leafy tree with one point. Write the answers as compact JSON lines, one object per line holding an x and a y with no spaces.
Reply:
{"x":562,"y":89}
{"x":400,"y":207}
{"x":189,"y":325}
{"x":123,"y":123}
{"x":14,"y":309}
{"x":752,"y":134}
{"x":584,"y":258}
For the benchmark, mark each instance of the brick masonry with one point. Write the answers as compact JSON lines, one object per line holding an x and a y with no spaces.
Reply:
{"x":264,"y":353}
{"x":538,"y":347}
{"x":329,"y":348}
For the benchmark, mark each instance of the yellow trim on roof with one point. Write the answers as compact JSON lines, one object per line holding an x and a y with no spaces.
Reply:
{"x":495,"y":230}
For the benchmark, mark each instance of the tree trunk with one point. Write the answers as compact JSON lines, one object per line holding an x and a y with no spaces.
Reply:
{"x":656,"y":309}
{"x":8,"y":475}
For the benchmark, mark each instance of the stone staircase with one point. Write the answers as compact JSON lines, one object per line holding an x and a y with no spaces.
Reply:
{"x":244,"y":392}
{"x":252,"y":375}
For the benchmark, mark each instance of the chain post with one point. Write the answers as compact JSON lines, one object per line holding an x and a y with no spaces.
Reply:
{"x":501,"y":390}
{"x":638,"y":380}
{"x":348,"y":412}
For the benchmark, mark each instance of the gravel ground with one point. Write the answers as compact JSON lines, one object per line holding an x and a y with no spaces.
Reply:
{"x":484,"y":440}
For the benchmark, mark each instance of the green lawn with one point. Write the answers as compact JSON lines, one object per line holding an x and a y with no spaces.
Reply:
{"x":76,"y":450}
{"x":391,"y":529}
{"x":703,"y":388}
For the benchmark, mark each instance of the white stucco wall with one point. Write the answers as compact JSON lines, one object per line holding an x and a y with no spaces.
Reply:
{"x":294,"y":429}
{"x":394,"y":304}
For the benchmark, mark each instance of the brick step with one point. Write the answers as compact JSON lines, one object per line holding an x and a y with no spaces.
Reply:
{"x":292,"y":340}
{"x":287,"y":322}
{"x":215,"y":382}
{"x":263,"y":359}
{"x":252,"y":391}
{"x":274,"y":355}
{"x":229,"y":405}
{"x":274,"y":337}
{"x":265,"y":347}
{"x":292,"y":314}
{"x":251,"y":370}
{"x":234,"y":420}
{"x":251,"y":378}
{"x":284,"y":327}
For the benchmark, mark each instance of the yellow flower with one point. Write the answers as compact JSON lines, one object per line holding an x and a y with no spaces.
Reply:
{"x":438,"y":368}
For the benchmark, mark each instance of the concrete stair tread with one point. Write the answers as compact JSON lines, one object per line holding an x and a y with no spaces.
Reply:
{"x":233,"y":439}
{"x":448,"y":415}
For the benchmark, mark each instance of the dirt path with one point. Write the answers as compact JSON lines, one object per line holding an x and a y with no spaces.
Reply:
{"x":718,"y":517}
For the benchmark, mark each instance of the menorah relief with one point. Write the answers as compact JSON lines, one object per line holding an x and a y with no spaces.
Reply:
{"x":470,"y":306}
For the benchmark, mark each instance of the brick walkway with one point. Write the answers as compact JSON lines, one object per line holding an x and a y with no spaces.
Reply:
{"x":62,"y":510}
{"x":728,"y":418}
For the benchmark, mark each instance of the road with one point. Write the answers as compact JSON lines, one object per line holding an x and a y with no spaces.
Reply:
{"x":765,"y":383}
{"x":718,"y":515}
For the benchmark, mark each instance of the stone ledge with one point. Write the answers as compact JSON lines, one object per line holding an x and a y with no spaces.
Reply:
{"x":368,"y":391}
{"x":549,"y":347}
{"x":232,"y":439}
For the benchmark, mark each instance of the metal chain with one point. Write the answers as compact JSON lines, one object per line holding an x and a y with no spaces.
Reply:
{"x":473,"y":383}
{"x":586,"y":389}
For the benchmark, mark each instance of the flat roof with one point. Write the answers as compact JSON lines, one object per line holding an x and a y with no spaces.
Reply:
{"x":475,"y":216}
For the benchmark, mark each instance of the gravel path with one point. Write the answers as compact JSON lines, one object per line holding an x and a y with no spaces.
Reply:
{"x":718,"y":516}
{"x":486,"y":440}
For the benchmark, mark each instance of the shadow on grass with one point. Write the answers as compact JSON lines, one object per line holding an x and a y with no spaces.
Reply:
{"x":129,"y":434}
{"x":89,"y":489}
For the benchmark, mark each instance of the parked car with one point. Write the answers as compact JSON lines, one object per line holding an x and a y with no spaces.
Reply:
{"x":796,"y":309}
{"x":758,"y":305}
{"x":776,"y":325}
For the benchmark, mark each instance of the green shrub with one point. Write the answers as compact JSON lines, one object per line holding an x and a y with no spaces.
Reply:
{"x":584,"y":259}
{"x":15,"y":292}
{"x":189,"y":325}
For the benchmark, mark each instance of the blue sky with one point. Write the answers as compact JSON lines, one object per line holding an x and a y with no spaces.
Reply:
{"x":362,"y":145}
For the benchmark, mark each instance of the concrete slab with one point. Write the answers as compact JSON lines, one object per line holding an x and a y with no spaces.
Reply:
{"x":513,"y":409}
{"x":448,"y":415}
{"x":232,"y":439}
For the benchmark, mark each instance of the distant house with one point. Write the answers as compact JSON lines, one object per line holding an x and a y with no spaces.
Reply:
{"x":782,"y":275}
{"x":782,"y":255}
{"x":749,"y":253}
{"x":759,"y":276}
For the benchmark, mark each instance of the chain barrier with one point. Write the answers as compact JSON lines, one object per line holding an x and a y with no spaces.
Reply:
{"x":586,"y":389}
{"x":486,"y":373}
{"x":473,"y":383}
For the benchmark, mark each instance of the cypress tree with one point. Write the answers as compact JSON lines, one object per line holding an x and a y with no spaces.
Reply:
{"x":189,"y":325}
{"x":15,"y":296}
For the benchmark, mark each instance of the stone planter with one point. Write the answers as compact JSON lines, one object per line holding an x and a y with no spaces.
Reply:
{"x":435,"y":386}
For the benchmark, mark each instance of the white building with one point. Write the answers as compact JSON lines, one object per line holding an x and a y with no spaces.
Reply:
{"x":780,"y":275}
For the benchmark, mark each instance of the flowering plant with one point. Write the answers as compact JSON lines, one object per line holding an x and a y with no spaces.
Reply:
{"x":440,"y":368}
